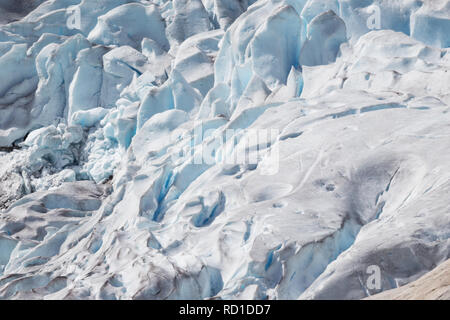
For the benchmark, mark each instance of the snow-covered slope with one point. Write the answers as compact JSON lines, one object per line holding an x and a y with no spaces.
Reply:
{"x":274,"y":149}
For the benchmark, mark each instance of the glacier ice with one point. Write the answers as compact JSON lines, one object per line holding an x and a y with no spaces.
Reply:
{"x":189,"y":18}
{"x":326,"y":33}
{"x":103,"y":124}
{"x":128,"y":24}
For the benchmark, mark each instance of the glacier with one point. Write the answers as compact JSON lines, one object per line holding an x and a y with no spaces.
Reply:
{"x":118,"y":119}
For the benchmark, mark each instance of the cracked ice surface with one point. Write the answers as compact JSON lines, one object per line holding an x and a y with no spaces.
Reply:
{"x":100,"y":197}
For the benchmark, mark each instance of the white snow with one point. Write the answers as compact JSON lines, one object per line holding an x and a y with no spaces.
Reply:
{"x":102,"y":128}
